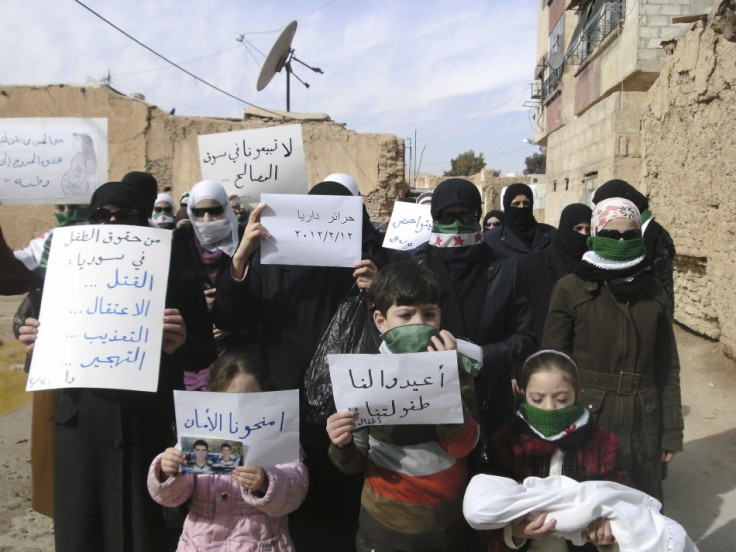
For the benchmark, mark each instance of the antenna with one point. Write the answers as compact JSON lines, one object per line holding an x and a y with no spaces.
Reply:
{"x":280,"y":56}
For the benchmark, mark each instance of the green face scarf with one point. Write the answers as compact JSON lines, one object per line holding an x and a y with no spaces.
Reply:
{"x":414,"y":338}
{"x":456,"y":227}
{"x":551,"y":422}
{"x":617,"y":250}
{"x":66,"y":218}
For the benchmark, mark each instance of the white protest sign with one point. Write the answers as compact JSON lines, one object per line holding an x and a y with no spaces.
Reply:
{"x":312,"y":230}
{"x":266,"y":423}
{"x":410,"y":226}
{"x":384,"y":389}
{"x":51,"y":160}
{"x":101,"y":321}
{"x":251,"y":162}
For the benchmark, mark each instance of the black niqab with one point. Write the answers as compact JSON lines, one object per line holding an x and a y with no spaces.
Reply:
{"x":520,"y":220}
{"x":122,"y":195}
{"x":571,"y":245}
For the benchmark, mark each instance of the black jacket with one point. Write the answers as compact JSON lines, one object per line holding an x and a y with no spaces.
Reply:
{"x":538,"y":273}
{"x":506,"y":244}
{"x":504,"y":332}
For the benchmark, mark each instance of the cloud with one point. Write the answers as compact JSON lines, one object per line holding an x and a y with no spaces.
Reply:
{"x":441,"y":68}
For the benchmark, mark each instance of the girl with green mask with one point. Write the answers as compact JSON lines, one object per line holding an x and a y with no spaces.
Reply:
{"x":553,"y":434}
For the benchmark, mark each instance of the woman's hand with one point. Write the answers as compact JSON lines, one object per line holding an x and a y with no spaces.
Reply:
{"x":28,"y":332}
{"x":340,"y":426}
{"x":171,"y":459}
{"x":251,"y":478}
{"x":175,"y":331}
{"x":365,"y":272}
{"x":209,"y":297}
{"x":254,"y":233}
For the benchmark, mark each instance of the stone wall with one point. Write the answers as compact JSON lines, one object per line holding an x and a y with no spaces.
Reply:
{"x":490,"y":187}
{"x":689,"y":171}
{"x":143,"y":137}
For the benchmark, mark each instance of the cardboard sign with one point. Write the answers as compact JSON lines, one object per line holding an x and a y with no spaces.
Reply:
{"x":410,"y":226}
{"x":267,"y":424}
{"x":385,"y":389}
{"x":51,"y":160}
{"x":251,"y":162}
{"x":312,"y":230}
{"x":101,"y":320}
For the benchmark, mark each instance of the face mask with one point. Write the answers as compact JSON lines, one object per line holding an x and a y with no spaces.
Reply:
{"x":213,"y":232}
{"x":414,"y":338}
{"x":617,"y":250}
{"x":65,"y":218}
{"x":163,"y":220}
{"x":456,"y":227}
{"x":551,"y":423}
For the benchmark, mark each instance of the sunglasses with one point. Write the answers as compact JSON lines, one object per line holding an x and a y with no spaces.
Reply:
{"x":493,"y":224}
{"x":616,"y":235}
{"x":212,"y":211}
{"x":122,"y":216}
{"x":448,"y":217}
{"x":163,"y":210}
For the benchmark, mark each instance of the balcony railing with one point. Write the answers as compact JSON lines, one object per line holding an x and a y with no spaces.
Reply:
{"x":598,"y":27}
{"x":549,"y":84}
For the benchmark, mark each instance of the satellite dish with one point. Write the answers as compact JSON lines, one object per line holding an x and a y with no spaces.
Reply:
{"x":277,"y":57}
{"x":280,"y":56}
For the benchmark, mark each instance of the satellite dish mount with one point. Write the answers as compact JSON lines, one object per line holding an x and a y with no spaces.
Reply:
{"x":280,"y":57}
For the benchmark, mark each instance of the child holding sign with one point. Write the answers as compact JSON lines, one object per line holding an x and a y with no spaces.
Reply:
{"x":415,"y":475}
{"x":243,"y":511}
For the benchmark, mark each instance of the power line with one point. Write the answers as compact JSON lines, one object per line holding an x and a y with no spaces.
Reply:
{"x":214,"y":54}
{"x":481,"y":115}
{"x":171,"y":62}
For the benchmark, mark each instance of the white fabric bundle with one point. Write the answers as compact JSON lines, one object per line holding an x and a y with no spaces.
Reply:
{"x":493,"y":502}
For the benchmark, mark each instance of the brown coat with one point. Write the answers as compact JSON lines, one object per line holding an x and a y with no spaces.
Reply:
{"x":630,"y":371}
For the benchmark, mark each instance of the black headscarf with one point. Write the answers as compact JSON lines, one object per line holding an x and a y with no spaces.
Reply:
{"x":122,"y":195}
{"x":500,"y":215}
{"x":621,"y":188}
{"x":460,"y":269}
{"x":146,"y":183}
{"x":570,"y":245}
{"x":456,"y":191}
{"x":520,"y":220}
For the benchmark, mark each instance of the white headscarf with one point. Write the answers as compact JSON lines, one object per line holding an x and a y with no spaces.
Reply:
{"x":168,"y":199}
{"x":209,"y":189}
{"x":344,"y":179}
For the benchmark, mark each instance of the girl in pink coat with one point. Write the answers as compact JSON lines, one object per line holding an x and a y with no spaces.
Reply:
{"x":246,"y":511}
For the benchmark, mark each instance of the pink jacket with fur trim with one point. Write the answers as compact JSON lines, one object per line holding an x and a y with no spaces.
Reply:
{"x":223,"y":517}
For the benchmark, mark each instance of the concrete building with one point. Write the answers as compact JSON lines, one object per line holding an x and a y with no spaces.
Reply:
{"x":596,"y":61}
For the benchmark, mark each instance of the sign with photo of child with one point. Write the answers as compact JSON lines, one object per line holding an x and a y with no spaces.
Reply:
{"x":411,"y":388}
{"x":265,"y":423}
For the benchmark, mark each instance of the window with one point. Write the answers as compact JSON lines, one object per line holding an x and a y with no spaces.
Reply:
{"x":597,"y":20}
{"x":556,"y":58}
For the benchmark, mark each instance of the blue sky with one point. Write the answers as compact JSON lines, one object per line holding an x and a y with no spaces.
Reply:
{"x":455,"y":74}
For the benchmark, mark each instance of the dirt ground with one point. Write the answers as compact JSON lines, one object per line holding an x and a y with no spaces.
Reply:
{"x":700,"y":492}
